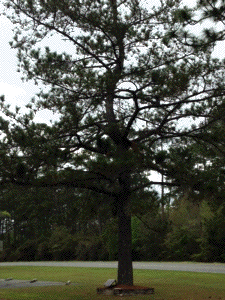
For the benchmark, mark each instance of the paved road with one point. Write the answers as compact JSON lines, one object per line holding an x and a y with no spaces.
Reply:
{"x":191,"y":267}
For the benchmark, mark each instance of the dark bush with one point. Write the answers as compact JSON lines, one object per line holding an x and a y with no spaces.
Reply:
{"x":62,"y":244}
{"x":27,"y":252}
{"x":44,"y":252}
{"x":5,"y":254}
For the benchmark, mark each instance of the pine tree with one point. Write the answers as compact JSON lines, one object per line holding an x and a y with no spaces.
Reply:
{"x":133,"y":82}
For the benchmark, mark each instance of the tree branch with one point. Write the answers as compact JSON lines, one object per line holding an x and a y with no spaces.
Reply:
{"x":52,"y":27}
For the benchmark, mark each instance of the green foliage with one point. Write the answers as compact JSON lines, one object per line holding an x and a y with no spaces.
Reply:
{"x":43,"y":252}
{"x":181,"y":244}
{"x":212,"y":9}
{"x":110,"y":238}
{"x":183,"y":15}
{"x":181,"y":241}
{"x":142,"y":245}
{"x":189,"y":230}
{"x":215,"y":11}
{"x":136,"y":234}
{"x":62,"y":244}
{"x":27,"y":251}
{"x":4,"y":214}
{"x":212,"y":238}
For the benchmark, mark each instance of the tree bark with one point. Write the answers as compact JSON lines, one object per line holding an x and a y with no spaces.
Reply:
{"x":125,"y":268}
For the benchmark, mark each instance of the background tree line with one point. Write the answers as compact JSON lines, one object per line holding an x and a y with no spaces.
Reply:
{"x":186,"y":222}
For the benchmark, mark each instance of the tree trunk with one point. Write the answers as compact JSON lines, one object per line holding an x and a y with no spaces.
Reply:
{"x":125,"y":268}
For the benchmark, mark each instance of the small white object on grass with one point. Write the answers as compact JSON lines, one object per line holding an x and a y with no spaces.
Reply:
{"x":68,"y":282}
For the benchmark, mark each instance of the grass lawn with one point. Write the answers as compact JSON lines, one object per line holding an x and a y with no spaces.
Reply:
{"x":169,"y":285}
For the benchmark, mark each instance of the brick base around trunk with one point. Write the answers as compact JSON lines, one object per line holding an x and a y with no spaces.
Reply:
{"x":122,"y":290}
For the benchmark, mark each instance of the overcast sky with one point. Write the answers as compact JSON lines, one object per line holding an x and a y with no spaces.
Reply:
{"x":18,"y":92}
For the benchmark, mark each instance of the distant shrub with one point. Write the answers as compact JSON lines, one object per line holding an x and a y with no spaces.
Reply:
{"x":27,"y":251}
{"x":44,"y":252}
{"x":62,"y":244}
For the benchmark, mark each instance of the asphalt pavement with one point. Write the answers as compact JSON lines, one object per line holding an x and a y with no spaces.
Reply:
{"x":170,"y":266}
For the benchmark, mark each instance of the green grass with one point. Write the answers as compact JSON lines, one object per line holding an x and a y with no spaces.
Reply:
{"x":169,"y":285}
